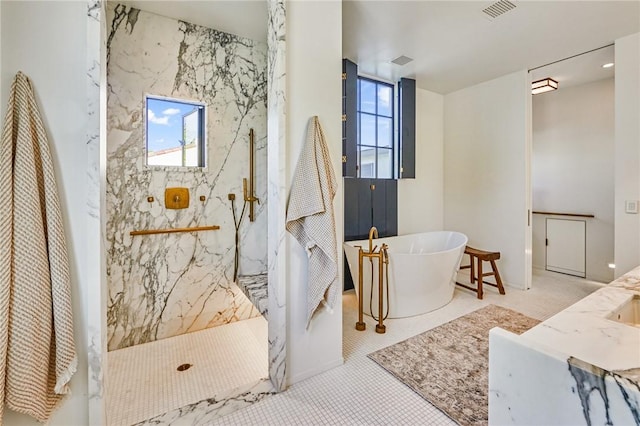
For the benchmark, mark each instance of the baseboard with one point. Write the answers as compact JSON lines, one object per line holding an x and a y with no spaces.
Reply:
{"x":315,"y":371}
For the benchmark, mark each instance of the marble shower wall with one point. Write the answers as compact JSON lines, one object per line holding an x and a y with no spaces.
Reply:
{"x":277,"y":176}
{"x":96,"y":172}
{"x":168,"y":284}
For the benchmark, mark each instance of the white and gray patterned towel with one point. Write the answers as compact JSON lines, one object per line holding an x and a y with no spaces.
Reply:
{"x":311,"y":219}
{"x":37,"y":351}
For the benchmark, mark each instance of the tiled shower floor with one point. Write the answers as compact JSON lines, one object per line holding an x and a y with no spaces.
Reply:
{"x":143,"y":380}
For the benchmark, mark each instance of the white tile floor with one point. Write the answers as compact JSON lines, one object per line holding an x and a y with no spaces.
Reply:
{"x":362,"y":393}
{"x":143,"y":380}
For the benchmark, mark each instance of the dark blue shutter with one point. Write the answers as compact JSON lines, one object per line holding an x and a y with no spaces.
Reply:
{"x":407,"y":111}
{"x":349,"y":119}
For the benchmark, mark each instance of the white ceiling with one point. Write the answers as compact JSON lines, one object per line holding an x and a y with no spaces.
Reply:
{"x":453,"y":43}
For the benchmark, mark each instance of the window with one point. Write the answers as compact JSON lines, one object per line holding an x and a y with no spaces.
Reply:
{"x":174,"y":132}
{"x":375,"y":129}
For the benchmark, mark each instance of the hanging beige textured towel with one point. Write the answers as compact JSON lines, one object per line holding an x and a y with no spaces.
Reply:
{"x":37,"y":352}
{"x":311,"y":219}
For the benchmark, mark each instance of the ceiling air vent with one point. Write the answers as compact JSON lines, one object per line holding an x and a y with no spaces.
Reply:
{"x":402,"y":60}
{"x":499,"y":8}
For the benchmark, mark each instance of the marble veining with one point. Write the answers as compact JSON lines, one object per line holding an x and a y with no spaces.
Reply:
{"x":629,"y":281}
{"x":96,"y":285}
{"x":204,"y":412}
{"x":165,"y":285}
{"x":255,"y":288}
{"x":277,"y":179}
{"x":591,"y":383}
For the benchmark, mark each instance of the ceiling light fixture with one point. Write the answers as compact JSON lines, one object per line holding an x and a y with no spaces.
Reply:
{"x":544,"y":85}
{"x":609,"y":65}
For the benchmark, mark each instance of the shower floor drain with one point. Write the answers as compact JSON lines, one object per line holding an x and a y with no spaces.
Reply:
{"x":184,"y":367}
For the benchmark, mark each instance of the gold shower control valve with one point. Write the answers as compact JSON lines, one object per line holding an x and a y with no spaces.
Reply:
{"x":176,"y":198}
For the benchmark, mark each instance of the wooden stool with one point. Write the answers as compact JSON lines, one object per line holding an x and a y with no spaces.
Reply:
{"x":482,"y":256}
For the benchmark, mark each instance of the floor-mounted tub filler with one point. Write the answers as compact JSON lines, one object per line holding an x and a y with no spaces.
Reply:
{"x":421,"y":271}
{"x":382,"y":271}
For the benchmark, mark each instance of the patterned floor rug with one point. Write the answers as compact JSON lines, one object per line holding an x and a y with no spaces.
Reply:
{"x":448,"y":365}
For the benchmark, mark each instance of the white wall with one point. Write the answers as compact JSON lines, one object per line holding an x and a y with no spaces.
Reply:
{"x":627,"y":151}
{"x":314,"y":87}
{"x":47,"y":41}
{"x":572,"y":167}
{"x":485,"y":186}
{"x":420,"y":200}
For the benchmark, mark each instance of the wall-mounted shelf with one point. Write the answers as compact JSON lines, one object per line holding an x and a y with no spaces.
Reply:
{"x":565,"y":214}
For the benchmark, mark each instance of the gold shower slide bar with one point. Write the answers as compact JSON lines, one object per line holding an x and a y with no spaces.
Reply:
{"x":248,"y":192}
{"x":174,"y":230}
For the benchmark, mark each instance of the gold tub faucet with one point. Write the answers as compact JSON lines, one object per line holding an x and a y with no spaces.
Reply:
{"x":382,"y":257}
{"x":373,"y":233}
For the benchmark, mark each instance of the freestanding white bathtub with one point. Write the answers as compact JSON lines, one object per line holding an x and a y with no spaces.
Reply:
{"x":422,"y":271}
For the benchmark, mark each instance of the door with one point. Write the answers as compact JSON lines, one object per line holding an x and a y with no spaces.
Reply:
{"x":566,"y":246}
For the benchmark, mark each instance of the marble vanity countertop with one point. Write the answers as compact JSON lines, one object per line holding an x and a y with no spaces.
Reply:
{"x":629,"y":281}
{"x":583,"y":330}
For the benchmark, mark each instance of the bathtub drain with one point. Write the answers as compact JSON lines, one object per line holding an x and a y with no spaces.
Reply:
{"x":184,"y":367}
